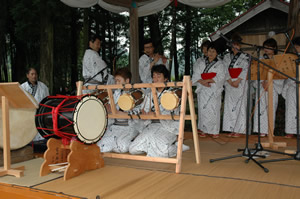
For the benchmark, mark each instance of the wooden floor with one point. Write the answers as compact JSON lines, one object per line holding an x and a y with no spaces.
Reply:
{"x":232,"y":178}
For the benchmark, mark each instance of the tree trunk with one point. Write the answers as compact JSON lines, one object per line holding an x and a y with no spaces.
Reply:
{"x":74,"y":39}
{"x":187,"y":51}
{"x":173,"y":50}
{"x":141,"y":35}
{"x":86,"y":28}
{"x":46,"y":48}
{"x":155,"y":33}
{"x":294,"y":16}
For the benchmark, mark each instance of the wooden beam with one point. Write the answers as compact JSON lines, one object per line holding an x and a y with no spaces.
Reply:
{"x":134,"y":45}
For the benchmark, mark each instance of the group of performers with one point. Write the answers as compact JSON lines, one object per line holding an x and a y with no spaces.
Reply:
{"x":211,"y":75}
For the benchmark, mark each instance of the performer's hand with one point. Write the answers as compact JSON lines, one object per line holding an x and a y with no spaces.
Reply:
{"x":236,"y":83}
{"x":205,"y":83}
{"x":265,"y":85}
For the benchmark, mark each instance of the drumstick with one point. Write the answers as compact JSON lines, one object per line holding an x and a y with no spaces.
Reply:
{"x":58,"y":164}
{"x":60,"y":168}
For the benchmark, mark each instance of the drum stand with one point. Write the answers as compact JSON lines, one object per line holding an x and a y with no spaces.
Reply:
{"x":187,"y":95}
{"x":8,"y":91}
{"x":295,"y":155}
{"x":77,"y":158}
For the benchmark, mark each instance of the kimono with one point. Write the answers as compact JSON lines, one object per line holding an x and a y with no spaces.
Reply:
{"x":264,"y":124}
{"x":209,"y":102}
{"x":92,"y":64}
{"x":144,"y":68}
{"x":289,"y":94}
{"x":235,"y":101}
{"x":120,"y":132}
{"x":158,"y":138}
{"x":39,"y":93}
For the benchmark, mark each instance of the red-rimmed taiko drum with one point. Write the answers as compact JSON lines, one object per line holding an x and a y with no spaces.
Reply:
{"x":69,"y":117}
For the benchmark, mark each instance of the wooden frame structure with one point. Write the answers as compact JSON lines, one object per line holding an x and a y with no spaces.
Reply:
{"x":286,"y":64}
{"x":187,"y":94}
{"x":8,"y":93}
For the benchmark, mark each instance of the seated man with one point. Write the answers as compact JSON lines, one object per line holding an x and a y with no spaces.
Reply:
{"x":158,"y":139}
{"x":37,"y":89}
{"x":121,"y":132}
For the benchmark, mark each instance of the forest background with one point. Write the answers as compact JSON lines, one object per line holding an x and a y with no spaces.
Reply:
{"x":52,"y":37}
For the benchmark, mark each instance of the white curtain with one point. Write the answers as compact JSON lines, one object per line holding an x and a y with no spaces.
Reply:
{"x":145,"y":8}
{"x":204,"y":3}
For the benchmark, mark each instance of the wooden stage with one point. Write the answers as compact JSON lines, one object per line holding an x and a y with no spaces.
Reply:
{"x":230,"y":179}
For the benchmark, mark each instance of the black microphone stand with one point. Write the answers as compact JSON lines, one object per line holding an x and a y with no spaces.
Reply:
{"x":246,"y":152}
{"x":89,"y":79}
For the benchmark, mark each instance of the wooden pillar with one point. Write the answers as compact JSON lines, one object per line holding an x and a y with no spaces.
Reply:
{"x":294,"y":16}
{"x":134,"y":45}
{"x":270,"y":106}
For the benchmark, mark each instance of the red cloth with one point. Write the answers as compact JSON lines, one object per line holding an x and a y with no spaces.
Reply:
{"x":206,"y":76}
{"x":234,"y":72}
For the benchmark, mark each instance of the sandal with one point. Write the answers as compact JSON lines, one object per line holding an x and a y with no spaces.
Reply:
{"x":202,"y":135}
{"x":289,"y":136}
{"x":236,"y":135}
{"x":215,"y":136}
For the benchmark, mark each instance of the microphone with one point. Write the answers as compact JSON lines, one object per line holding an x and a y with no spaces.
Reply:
{"x":223,"y":36}
{"x":228,"y":42}
{"x":272,"y":33}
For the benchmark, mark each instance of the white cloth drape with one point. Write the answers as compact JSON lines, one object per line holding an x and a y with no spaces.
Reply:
{"x":144,"y":8}
{"x":204,"y":3}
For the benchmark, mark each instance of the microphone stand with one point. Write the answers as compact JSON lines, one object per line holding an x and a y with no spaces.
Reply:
{"x":89,"y":79}
{"x":246,"y":152}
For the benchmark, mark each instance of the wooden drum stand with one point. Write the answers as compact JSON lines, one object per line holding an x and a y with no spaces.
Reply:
{"x":187,"y":94}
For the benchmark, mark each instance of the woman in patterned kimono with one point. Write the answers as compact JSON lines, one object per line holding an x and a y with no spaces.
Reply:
{"x":289,"y":93}
{"x":158,"y":139}
{"x":235,"y":102}
{"x":209,"y":78}
{"x":119,"y":135}
{"x":270,"y":51}
{"x":196,"y":64}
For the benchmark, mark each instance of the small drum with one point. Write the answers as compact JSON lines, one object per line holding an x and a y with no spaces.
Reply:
{"x":71,"y":116}
{"x":128,"y":101}
{"x":102,"y":95}
{"x":170,"y":99}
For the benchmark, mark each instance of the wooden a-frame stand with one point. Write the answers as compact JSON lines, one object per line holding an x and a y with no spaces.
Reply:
{"x":8,"y":93}
{"x":187,"y":94}
{"x":285,"y":64}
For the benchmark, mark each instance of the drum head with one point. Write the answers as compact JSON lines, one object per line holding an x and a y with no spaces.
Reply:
{"x":126,"y":102}
{"x":169,"y":100}
{"x":90,"y":119}
{"x":22,"y":127}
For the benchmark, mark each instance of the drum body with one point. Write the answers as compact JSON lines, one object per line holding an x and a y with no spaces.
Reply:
{"x":21,"y":126}
{"x":102,"y":95}
{"x":128,"y":101}
{"x":170,"y":99}
{"x":71,"y":116}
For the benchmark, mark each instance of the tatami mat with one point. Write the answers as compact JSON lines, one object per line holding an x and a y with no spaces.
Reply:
{"x":31,"y":174}
{"x":223,"y":179}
